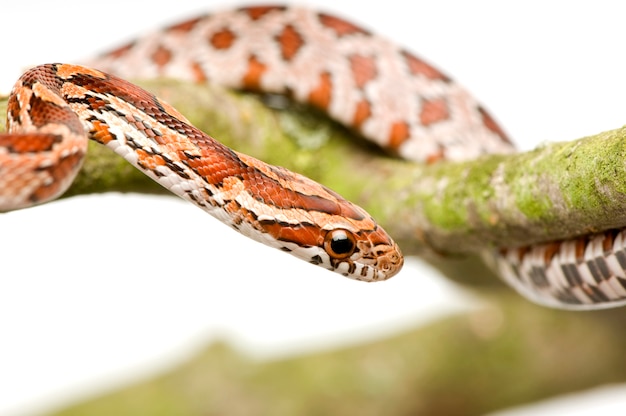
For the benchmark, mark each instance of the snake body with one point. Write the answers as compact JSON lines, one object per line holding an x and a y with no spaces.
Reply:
{"x":387,"y":94}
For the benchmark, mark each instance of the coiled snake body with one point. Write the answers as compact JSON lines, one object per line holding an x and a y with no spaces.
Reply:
{"x":384,"y":92}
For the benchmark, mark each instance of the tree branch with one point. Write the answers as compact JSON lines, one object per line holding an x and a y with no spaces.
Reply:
{"x":513,"y":352}
{"x":556,"y":191}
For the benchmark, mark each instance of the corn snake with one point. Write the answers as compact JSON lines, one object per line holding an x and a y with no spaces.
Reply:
{"x":287,"y":50}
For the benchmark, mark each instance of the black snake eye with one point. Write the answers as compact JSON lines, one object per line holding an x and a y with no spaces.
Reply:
{"x":339,"y":244}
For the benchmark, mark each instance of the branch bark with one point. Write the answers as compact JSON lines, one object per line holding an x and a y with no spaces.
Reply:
{"x":556,"y":191}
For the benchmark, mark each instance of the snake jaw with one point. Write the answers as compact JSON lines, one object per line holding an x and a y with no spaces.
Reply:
{"x":380,"y":258}
{"x":370,"y":261}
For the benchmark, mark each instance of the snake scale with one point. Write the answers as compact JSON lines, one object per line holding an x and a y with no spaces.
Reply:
{"x":382,"y":91}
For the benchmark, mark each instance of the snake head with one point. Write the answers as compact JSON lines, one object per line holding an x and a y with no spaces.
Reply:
{"x":362,"y":254}
{"x":298,"y":215}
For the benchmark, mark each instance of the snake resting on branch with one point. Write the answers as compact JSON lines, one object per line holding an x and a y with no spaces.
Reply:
{"x":380,"y":90}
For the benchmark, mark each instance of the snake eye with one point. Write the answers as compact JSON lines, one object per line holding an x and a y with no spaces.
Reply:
{"x":339,"y":244}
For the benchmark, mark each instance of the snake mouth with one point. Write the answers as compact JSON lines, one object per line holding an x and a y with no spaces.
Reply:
{"x":388,"y":264}
{"x":383,"y":256}
{"x":391,"y":263}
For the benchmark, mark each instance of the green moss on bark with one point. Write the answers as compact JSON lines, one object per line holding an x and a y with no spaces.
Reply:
{"x":556,"y":191}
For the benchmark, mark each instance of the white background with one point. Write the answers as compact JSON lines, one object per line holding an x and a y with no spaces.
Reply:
{"x":100,"y":289}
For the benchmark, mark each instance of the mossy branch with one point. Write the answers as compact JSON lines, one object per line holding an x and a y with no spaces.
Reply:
{"x":558,"y":190}
{"x":497,"y":357}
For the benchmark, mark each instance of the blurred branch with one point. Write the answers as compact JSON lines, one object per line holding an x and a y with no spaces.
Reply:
{"x":496,"y":357}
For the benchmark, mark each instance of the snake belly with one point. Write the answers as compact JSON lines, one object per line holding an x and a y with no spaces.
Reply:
{"x":381,"y":90}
